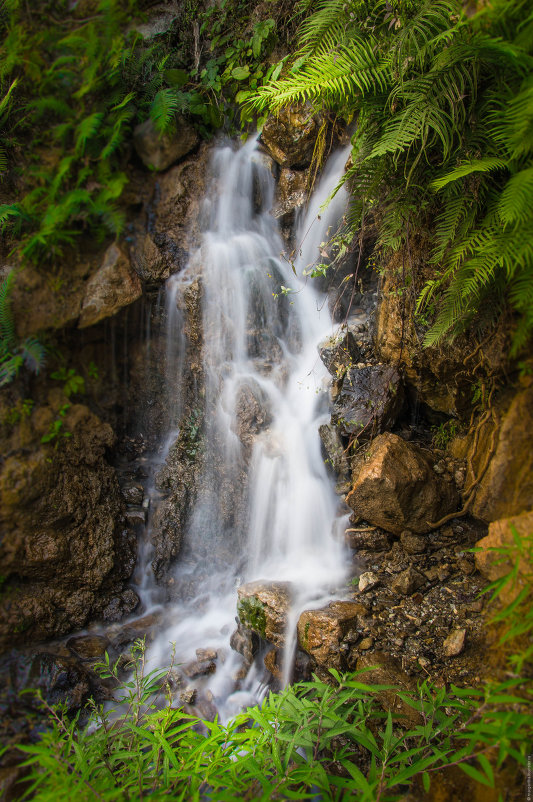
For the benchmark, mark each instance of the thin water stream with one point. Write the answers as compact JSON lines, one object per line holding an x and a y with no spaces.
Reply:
{"x":265,"y":500}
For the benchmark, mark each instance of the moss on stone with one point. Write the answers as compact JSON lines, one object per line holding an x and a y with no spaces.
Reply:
{"x":251,"y":614}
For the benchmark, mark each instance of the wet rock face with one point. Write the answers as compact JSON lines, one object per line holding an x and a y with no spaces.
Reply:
{"x":340,"y":351}
{"x":369,"y":401}
{"x":291,"y":194}
{"x":253,"y":413}
{"x":290,"y":137}
{"x":321,"y":632}
{"x":158,"y":151}
{"x":167,"y":224}
{"x":333,"y":449}
{"x":263,"y":607}
{"x":64,"y":551}
{"x":396,"y":488}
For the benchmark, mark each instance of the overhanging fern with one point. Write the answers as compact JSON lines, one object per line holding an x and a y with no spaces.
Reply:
{"x":444,"y":104}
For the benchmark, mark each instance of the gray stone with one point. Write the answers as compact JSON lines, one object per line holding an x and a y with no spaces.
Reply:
{"x":335,"y":456}
{"x":159,"y":151}
{"x":369,"y":401}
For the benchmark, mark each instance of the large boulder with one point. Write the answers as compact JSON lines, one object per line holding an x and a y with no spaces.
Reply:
{"x":263,"y":607}
{"x":369,"y":401}
{"x":290,"y":136}
{"x":396,"y":488}
{"x":113,"y":286}
{"x":158,"y":151}
{"x":494,"y":564}
{"x":320,"y":632}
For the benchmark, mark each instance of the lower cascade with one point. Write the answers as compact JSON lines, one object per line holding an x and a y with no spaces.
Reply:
{"x":265,"y":512}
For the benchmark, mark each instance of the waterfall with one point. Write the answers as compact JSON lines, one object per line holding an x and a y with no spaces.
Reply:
{"x":266,"y":505}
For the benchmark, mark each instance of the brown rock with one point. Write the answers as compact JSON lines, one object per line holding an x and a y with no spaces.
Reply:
{"x":386,"y":670}
{"x":495,"y":565}
{"x":367,"y":581}
{"x":320,"y":632}
{"x":413,"y":544}
{"x":206,"y":654}
{"x":263,"y":607}
{"x":272,"y":663}
{"x":396,"y":488}
{"x":454,"y":643}
{"x":291,"y":193}
{"x":199,"y":668}
{"x":367,"y":539}
{"x":88,"y":647}
{"x":333,"y":449}
{"x":113,"y":286}
{"x":64,"y":552}
{"x":148,"y":261}
{"x":408,"y":581}
{"x":506,"y":488}
{"x":290,"y":136}
{"x":159,"y":151}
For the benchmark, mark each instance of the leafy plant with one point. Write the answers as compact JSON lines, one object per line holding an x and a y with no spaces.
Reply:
{"x":30,"y":353}
{"x":315,"y":738}
{"x":56,"y":430}
{"x":73,"y":382}
{"x":444,"y":130}
{"x":444,"y":433}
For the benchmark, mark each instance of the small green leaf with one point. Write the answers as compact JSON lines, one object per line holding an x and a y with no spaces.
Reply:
{"x":240,"y":73}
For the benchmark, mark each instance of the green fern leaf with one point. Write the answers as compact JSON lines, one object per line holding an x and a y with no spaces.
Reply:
{"x":86,"y":130}
{"x":164,"y":107}
{"x":515,"y":203}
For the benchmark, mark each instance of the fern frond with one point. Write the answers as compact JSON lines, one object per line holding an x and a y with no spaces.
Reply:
{"x":8,"y":210}
{"x":324,"y":30}
{"x":352,"y":71}
{"x":33,"y":353}
{"x":86,"y":130}
{"x":516,"y":198}
{"x":485,"y":165}
{"x":163,"y":109}
{"x":7,"y":326}
{"x":4,"y":103}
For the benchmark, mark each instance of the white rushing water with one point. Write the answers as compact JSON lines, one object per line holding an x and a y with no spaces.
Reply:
{"x":258,"y":350}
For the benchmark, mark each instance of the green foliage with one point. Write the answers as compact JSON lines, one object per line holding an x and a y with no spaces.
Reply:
{"x":444,"y":433}
{"x":70,"y":81}
{"x":331,"y":740}
{"x":57,"y":430}
{"x":30,"y":353}
{"x":444,"y":106}
{"x":73,"y":383}
{"x":517,"y":617}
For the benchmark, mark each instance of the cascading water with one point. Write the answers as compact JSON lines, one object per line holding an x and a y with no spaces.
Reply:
{"x":266,"y":506}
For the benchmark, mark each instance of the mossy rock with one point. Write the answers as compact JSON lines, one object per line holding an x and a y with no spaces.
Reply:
{"x":251,"y":614}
